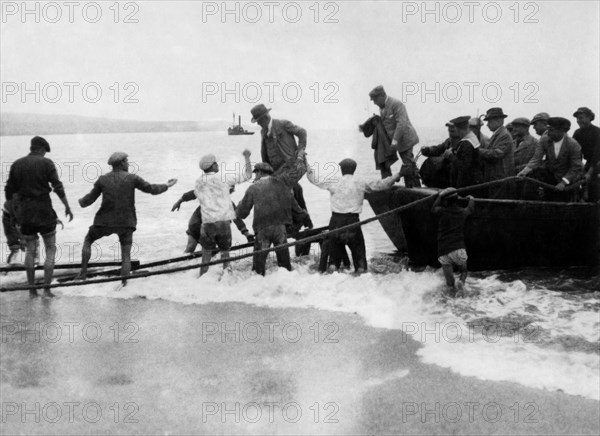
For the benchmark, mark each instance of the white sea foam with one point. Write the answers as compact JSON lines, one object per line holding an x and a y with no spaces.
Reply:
{"x":411,"y":301}
{"x":567,"y":330}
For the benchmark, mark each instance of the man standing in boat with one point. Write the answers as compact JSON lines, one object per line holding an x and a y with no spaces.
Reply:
{"x":435,"y":171}
{"x":464,"y":159}
{"x":498,"y":159}
{"x":588,"y":137}
{"x":401,"y":132}
{"x":279,"y":148}
{"x":525,"y":144}
{"x":28,"y":187}
{"x":557,"y":159}
{"x":540,"y":123}
{"x":117,"y":211}
{"x":475,"y":124}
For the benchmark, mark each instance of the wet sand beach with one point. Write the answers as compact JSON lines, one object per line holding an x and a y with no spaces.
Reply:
{"x":134,"y":366}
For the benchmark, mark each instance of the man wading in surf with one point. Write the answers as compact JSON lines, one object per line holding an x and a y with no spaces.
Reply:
{"x":117,"y":211}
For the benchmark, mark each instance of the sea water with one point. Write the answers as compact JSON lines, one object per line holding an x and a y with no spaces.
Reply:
{"x":539,"y":328}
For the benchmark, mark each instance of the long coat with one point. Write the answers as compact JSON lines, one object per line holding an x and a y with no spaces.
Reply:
{"x":397,"y":124}
{"x":381,"y":144}
{"x":524,"y":151}
{"x":280,"y":147}
{"x":498,"y":158}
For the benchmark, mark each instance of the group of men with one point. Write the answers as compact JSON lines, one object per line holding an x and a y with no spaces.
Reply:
{"x":470,"y":158}
{"x":276,"y":196}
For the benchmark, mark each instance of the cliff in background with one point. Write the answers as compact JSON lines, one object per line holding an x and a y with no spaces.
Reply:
{"x":14,"y":124}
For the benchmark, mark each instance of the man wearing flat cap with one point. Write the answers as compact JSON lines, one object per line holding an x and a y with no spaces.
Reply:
{"x":400,"y":131}
{"x":498,"y":158}
{"x":274,"y":207}
{"x":588,"y":137}
{"x":540,"y":123}
{"x":464,"y":159}
{"x":562,"y":165}
{"x":435,"y":171}
{"x":28,"y":191}
{"x":525,"y":144}
{"x":279,"y":148}
{"x":216,"y":208}
{"x":117,"y":213}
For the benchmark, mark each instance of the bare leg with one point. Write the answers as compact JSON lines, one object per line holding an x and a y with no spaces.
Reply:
{"x":463,"y":274}
{"x":86,"y":253}
{"x":125,"y":262}
{"x":224,"y":256}
{"x":29,"y":265}
{"x":191,"y":245}
{"x":449,"y":275}
{"x":50,"y":245}
{"x":206,"y":256}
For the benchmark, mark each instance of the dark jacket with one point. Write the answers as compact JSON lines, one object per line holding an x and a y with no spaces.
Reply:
{"x":464,"y":163}
{"x":589,"y":140}
{"x":272,"y":200}
{"x":279,"y":147}
{"x":381,"y":143}
{"x":498,"y":158}
{"x":524,"y":150}
{"x":451,"y":226}
{"x":31,"y":176}
{"x":118,"y":198}
{"x":567,"y":164}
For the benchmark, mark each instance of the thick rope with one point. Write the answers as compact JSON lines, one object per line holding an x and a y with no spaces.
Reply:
{"x":216,"y":262}
{"x":271,"y":249}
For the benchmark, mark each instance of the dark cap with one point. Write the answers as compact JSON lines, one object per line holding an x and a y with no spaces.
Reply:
{"x":348,"y":166}
{"x":116,"y":158}
{"x":263,"y":167}
{"x":542,"y":116}
{"x":460,"y":121}
{"x":521,"y":121}
{"x":559,"y":123}
{"x":39,"y":142}
{"x":495,"y":112}
{"x":259,"y":111}
{"x":585,"y":111}
{"x":377,"y":91}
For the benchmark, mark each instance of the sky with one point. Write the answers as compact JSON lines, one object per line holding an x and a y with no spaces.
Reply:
{"x":312,"y":62}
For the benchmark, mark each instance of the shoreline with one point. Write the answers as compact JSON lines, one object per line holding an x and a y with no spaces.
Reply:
{"x":238,"y":368}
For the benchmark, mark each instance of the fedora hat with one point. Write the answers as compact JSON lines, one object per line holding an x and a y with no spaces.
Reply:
{"x":495,"y":112}
{"x":259,"y":111}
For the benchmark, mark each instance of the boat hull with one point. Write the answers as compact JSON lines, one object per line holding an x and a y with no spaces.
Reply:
{"x":500,"y":234}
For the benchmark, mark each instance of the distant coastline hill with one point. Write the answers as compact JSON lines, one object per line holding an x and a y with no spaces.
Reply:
{"x":14,"y":124}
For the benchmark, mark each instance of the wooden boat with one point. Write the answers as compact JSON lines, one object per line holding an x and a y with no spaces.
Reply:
{"x":500,"y":234}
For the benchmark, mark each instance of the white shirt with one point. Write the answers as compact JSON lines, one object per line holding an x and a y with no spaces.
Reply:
{"x":269,"y":126}
{"x":212,"y":191}
{"x":348,"y":192}
{"x":557,"y":146}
